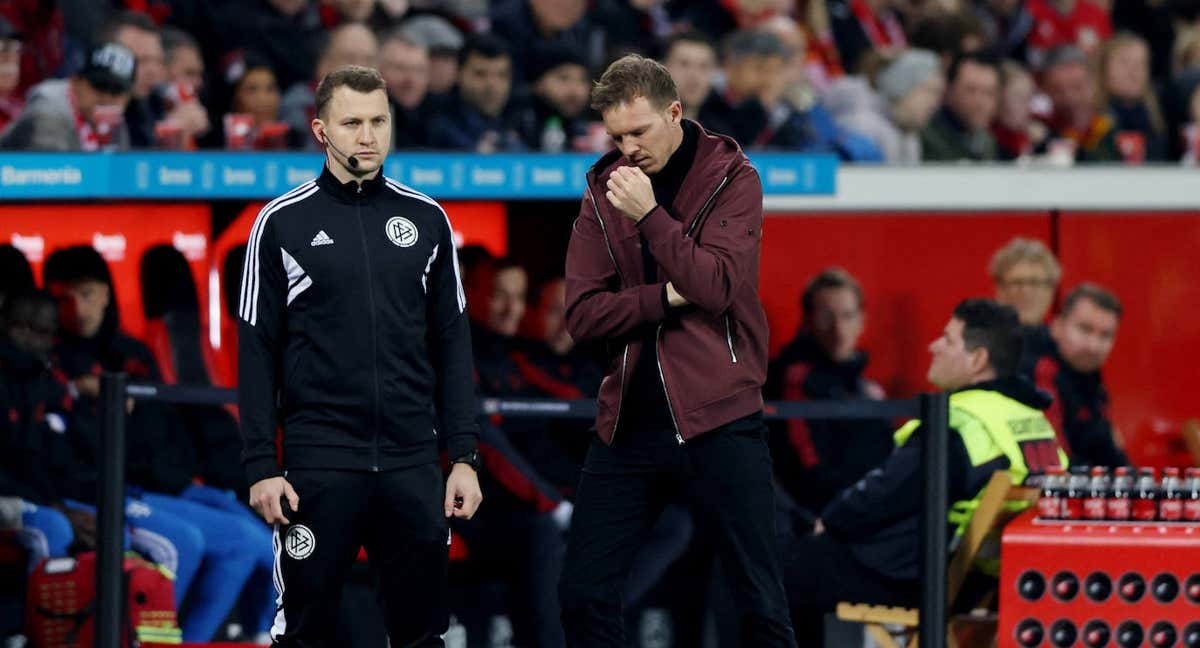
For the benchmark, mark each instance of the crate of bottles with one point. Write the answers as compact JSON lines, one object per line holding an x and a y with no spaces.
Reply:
{"x":1107,"y":558}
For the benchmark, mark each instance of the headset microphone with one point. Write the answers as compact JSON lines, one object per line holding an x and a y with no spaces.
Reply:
{"x":350,"y":159}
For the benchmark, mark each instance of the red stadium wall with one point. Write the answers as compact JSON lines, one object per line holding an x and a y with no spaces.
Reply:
{"x":915,"y":266}
{"x":1152,"y":262}
{"x":122,"y":233}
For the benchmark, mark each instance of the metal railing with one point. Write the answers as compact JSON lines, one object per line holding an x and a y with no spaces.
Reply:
{"x":932,"y":409}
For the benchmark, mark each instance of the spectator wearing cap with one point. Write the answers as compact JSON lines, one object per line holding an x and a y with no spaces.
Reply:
{"x":11,"y":101}
{"x":404,"y":65}
{"x":1075,"y":122}
{"x":558,"y":118}
{"x":154,"y":102}
{"x":348,"y":44}
{"x":480,"y":116}
{"x":753,"y":110}
{"x":444,"y":41}
{"x":692,"y":61}
{"x":907,"y":93}
{"x":961,"y":129}
{"x":81,"y":113}
{"x":526,"y":24}
{"x":1058,"y":23}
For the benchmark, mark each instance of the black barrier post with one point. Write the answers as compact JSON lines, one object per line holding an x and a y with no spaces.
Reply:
{"x":111,"y":514}
{"x":935,"y":448}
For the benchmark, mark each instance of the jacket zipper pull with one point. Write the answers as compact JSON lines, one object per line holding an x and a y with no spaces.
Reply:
{"x":679,"y":438}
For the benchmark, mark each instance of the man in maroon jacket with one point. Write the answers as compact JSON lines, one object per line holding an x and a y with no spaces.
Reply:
{"x":663,"y":268}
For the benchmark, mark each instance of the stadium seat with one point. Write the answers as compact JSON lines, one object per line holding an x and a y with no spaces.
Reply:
{"x":1159,"y":442}
{"x":892,"y":627}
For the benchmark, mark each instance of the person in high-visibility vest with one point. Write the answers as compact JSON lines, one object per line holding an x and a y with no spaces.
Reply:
{"x":865,"y":547}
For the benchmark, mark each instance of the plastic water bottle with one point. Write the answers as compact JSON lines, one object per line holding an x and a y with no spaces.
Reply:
{"x":1170,"y":504}
{"x":1050,"y":504}
{"x":1191,"y":495}
{"x":1145,"y":500}
{"x":456,"y":634}
{"x":554,"y":138}
{"x":1077,"y":490}
{"x":1094,"y":504}
{"x":1120,"y":503}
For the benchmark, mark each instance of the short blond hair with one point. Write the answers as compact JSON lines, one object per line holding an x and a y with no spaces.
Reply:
{"x":1023,"y":249}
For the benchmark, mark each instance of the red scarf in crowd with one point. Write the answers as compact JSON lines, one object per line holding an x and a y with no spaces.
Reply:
{"x":885,"y":33}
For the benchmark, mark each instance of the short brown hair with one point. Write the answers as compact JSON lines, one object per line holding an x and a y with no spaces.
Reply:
{"x":1095,"y":293}
{"x":355,"y":77}
{"x":630,"y":77}
{"x":1022,"y":249}
{"x":827,"y":279}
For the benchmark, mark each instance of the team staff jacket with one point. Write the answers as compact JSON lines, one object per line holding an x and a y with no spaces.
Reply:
{"x":353,"y":331}
{"x":712,"y":354}
{"x":995,"y":425}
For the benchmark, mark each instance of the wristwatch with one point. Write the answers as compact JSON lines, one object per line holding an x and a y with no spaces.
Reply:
{"x":472,"y":459}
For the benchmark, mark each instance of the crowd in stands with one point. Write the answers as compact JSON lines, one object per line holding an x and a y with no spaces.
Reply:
{"x":185,"y":506}
{"x":896,"y":81}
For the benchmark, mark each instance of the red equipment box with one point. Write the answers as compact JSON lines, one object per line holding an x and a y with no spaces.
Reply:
{"x":1099,"y":584}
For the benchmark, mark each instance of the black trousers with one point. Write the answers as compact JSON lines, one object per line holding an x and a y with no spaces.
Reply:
{"x":726,"y":475}
{"x":524,"y":549}
{"x":397,"y":516}
{"x":820,"y":572}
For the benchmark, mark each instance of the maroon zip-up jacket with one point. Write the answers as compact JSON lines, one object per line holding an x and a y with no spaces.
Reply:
{"x":712,"y":354}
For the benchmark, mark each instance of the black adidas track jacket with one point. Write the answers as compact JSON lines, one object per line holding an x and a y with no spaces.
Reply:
{"x":352,"y":331}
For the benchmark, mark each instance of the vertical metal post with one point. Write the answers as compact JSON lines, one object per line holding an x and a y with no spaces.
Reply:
{"x":935,"y":447}
{"x":110,"y":516}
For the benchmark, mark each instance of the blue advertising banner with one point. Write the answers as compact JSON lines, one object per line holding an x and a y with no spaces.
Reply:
{"x":447,"y":176}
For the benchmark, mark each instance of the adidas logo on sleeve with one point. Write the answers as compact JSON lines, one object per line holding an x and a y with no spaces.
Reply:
{"x":321,"y":239}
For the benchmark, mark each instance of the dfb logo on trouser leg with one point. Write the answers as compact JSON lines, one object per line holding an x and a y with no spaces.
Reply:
{"x":300,"y":542}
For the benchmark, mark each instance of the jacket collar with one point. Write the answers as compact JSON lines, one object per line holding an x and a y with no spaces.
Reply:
{"x":350,"y":191}
{"x":1016,"y":387}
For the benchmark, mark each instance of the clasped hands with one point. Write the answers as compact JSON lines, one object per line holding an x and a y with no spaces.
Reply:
{"x":630,"y":191}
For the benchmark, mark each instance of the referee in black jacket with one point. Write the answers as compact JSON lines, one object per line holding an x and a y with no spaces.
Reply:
{"x":353,"y":337}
